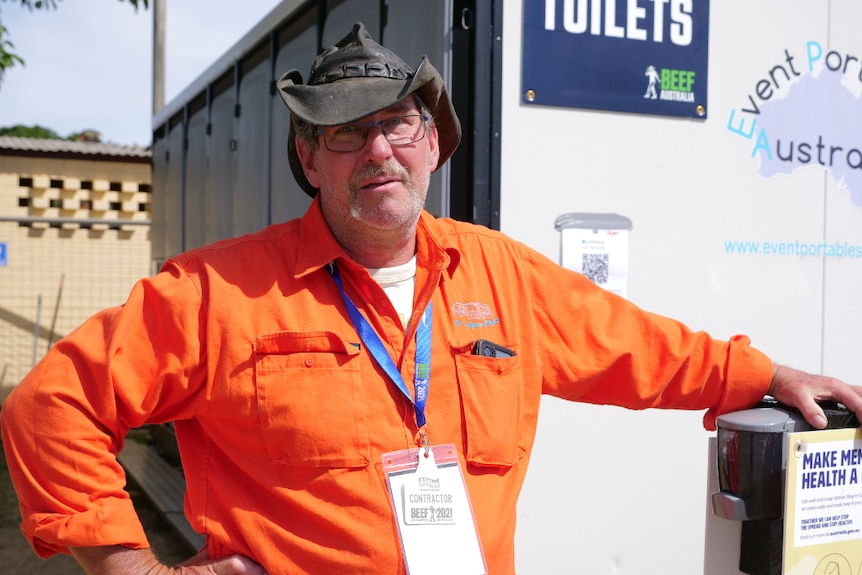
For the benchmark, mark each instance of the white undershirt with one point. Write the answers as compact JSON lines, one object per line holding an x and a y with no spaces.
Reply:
{"x":398,"y":283}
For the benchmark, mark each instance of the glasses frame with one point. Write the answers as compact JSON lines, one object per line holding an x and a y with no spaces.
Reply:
{"x":368,"y":125}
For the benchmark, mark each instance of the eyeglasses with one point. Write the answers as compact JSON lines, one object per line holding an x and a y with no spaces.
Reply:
{"x":398,"y":131}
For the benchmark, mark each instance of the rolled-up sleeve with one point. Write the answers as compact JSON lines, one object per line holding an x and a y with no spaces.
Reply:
{"x":600,"y":348}
{"x":65,"y":423}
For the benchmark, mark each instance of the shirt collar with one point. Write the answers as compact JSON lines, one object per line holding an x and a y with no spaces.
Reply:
{"x":318,"y":247}
{"x":434,"y":248}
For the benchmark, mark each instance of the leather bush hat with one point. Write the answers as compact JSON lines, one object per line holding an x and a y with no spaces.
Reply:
{"x":355,"y":78}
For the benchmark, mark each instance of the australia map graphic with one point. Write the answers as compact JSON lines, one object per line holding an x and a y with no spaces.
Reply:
{"x":819,"y":122}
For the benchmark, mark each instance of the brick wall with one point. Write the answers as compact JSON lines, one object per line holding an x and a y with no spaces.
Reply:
{"x":75,"y":236}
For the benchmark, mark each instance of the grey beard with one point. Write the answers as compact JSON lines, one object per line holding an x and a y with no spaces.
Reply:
{"x":389,"y":168}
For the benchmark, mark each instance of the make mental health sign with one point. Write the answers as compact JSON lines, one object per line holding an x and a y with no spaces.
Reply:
{"x":823,"y":507}
{"x":639,"y":56}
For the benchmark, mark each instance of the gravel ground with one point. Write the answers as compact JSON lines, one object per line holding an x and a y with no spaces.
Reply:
{"x":18,"y":558}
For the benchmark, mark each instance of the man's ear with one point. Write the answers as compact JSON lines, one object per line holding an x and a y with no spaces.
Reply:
{"x":434,"y":143}
{"x":306,"y":156}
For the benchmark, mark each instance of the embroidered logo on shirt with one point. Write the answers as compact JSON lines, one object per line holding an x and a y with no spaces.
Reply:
{"x":473,"y":314}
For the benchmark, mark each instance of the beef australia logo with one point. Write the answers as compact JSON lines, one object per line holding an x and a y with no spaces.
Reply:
{"x":428,"y":484}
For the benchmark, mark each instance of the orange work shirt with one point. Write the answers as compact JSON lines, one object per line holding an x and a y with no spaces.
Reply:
{"x":282,"y":415}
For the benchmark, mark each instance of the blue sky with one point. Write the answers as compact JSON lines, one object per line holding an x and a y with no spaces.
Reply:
{"x":89,"y":63}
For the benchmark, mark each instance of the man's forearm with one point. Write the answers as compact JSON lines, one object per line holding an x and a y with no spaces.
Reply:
{"x":119,"y":560}
{"x":116,"y":559}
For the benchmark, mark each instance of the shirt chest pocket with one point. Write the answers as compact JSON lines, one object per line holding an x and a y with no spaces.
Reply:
{"x":492,"y":395}
{"x":310,"y":400}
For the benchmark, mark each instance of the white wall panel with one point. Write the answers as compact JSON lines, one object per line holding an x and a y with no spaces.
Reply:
{"x":617,"y":491}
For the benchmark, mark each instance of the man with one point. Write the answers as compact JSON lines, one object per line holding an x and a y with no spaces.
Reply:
{"x":336,"y":379}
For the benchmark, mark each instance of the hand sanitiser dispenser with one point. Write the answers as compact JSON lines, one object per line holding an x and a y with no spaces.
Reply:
{"x":752,"y":461}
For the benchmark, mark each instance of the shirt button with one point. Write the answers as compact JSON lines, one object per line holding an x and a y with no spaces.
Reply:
{"x":309,"y":361}
{"x":384,"y":303}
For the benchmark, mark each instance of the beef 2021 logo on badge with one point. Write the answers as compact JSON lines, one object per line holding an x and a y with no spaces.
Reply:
{"x":640,"y":56}
{"x":426,"y":503}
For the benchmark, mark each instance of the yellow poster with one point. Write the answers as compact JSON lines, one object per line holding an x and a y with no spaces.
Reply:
{"x":823,"y":507}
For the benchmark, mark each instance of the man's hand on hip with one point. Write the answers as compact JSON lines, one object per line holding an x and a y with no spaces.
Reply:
{"x":117,"y":559}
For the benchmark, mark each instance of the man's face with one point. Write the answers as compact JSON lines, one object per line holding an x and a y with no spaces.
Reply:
{"x":378,"y":187}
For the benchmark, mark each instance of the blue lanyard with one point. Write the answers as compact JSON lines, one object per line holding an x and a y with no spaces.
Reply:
{"x":422,"y":370}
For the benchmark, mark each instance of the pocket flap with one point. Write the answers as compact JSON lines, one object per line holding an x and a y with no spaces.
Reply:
{"x":298,"y":342}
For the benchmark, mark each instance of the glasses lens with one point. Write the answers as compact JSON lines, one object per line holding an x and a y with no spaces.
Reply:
{"x":398,"y":131}
{"x":403,"y":130}
{"x":345,"y":138}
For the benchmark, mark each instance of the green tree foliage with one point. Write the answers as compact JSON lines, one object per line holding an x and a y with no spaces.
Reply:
{"x":37,"y":131}
{"x":8,"y":58}
{"x":44,"y":133}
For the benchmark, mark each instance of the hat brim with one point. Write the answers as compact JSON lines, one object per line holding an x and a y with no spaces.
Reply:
{"x":351,"y":99}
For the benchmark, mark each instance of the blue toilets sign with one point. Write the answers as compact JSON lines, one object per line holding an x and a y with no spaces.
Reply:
{"x":639,"y":56}
{"x":4,"y":258}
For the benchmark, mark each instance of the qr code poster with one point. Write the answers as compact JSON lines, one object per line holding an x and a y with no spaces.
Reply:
{"x":601,"y":255}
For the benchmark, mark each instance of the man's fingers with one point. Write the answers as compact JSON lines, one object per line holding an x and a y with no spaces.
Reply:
{"x":236,"y":565}
{"x":813,"y":414}
{"x":851,"y":397}
{"x":231,"y":565}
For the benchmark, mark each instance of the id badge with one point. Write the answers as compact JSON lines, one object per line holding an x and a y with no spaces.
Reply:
{"x":432,"y":508}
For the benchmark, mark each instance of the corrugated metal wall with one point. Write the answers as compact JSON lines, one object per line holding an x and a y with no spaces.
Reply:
{"x":220,"y":149}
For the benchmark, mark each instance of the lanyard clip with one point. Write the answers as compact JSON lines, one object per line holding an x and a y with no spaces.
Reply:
{"x":424,"y":437}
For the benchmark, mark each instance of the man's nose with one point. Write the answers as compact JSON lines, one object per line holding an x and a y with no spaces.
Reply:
{"x":377,"y":147}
